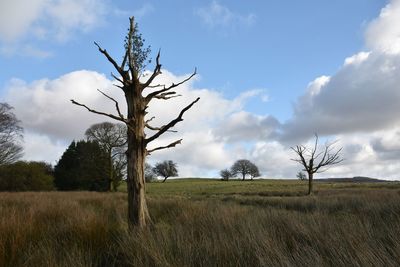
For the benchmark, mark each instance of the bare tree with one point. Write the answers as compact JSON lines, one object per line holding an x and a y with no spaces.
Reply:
{"x":166,"y":169}
{"x":225,"y":174}
{"x":301,"y":176}
{"x":315,"y":161}
{"x":244,"y":167}
{"x":133,"y":83}
{"x":10,"y":135}
{"x":112,"y":139}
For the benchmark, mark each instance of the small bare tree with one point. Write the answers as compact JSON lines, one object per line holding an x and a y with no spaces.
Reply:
{"x":130,"y":72}
{"x":225,"y":174}
{"x":315,"y":161}
{"x":301,"y":176}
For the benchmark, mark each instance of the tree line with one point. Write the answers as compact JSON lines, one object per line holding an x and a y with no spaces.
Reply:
{"x":97,"y":163}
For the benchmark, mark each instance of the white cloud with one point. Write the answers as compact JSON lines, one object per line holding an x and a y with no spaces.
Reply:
{"x":362,"y":96}
{"x":18,"y":16}
{"x":383,"y":33}
{"x":358,"y":105}
{"x":67,"y":16}
{"x":39,"y":147}
{"x":51,"y":120}
{"x":273,"y":160}
{"x":216,"y":15}
{"x":50,"y":20}
{"x":139,"y":13}
{"x":357,"y":58}
{"x":44,"y":106}
{"x":243,"y":126}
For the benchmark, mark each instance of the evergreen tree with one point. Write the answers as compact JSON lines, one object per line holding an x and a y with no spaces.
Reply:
{"x":83,"y":166}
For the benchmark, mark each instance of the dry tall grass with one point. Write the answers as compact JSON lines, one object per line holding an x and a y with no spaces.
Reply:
{"x":334,"y":228}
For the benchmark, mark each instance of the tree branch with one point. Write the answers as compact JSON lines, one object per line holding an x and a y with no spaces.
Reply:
{"x":300,"y":151}
{"x":124,"y":60}
{"x":110,"y":59}
{"x":149,"y":120}
{"x":158,"y":128}
{"x":116,"y":104}
{"x":156,"y":86}
{"x":97,"y":112}
{"x":171,"y":123}
{"x":156,"y":72}
{"x":167,"y":95}
{"x":118,"y":79}
{"x":164,"y":147}
{"x":173,"y":85}
{"x":331,"y":159}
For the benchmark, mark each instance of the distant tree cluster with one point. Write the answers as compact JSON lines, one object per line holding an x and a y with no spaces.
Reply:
{"x":19,"y":175}
{"x":242,"y":168}
{"x":26,"y":176}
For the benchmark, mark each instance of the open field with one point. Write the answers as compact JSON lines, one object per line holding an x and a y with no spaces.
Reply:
{"x":198,"y":222}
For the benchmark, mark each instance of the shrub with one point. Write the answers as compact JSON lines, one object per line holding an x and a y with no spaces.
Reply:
{"x":26,"y":176}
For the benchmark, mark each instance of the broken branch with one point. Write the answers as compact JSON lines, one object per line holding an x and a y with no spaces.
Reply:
{"x":164,"y":147}
{"x":116,"y":104}
{"x":110,"y":59}
{"x":173,"y":85}
{"x":171,"y":123}
{"x":97,"y":112}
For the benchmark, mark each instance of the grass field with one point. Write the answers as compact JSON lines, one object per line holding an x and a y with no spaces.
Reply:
{"x":199,"y":222}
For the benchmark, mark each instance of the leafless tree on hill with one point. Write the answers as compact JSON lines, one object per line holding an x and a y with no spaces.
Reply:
{"x":315,"y":161}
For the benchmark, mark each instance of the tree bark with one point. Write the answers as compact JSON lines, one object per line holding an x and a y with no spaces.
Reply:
{"x":165,"y":178}
{"x":310,"y":183}
{"x":138,"y":214}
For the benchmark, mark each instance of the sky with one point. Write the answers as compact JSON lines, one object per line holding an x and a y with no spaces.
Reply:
{"x":271,"y":74}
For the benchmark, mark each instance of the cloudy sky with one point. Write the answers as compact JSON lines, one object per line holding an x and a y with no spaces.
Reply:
{"x":270,"y":75}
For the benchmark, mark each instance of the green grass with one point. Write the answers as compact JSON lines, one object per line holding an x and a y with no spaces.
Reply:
{"x":199,"y":222}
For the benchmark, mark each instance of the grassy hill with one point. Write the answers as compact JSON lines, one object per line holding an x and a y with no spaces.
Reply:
{"x":202,"y":222}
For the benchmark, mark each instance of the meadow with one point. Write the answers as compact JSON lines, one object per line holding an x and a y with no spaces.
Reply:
{"x":200,"y":222}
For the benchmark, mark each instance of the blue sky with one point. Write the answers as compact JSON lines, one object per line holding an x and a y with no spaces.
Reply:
{"x":278,"y":46}
{"x":270,"y":63}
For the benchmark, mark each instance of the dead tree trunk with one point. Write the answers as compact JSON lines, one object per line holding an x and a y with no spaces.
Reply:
{"x":136,"y":154}
{"x":310,"y":183}
{"x":138,"y":214}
